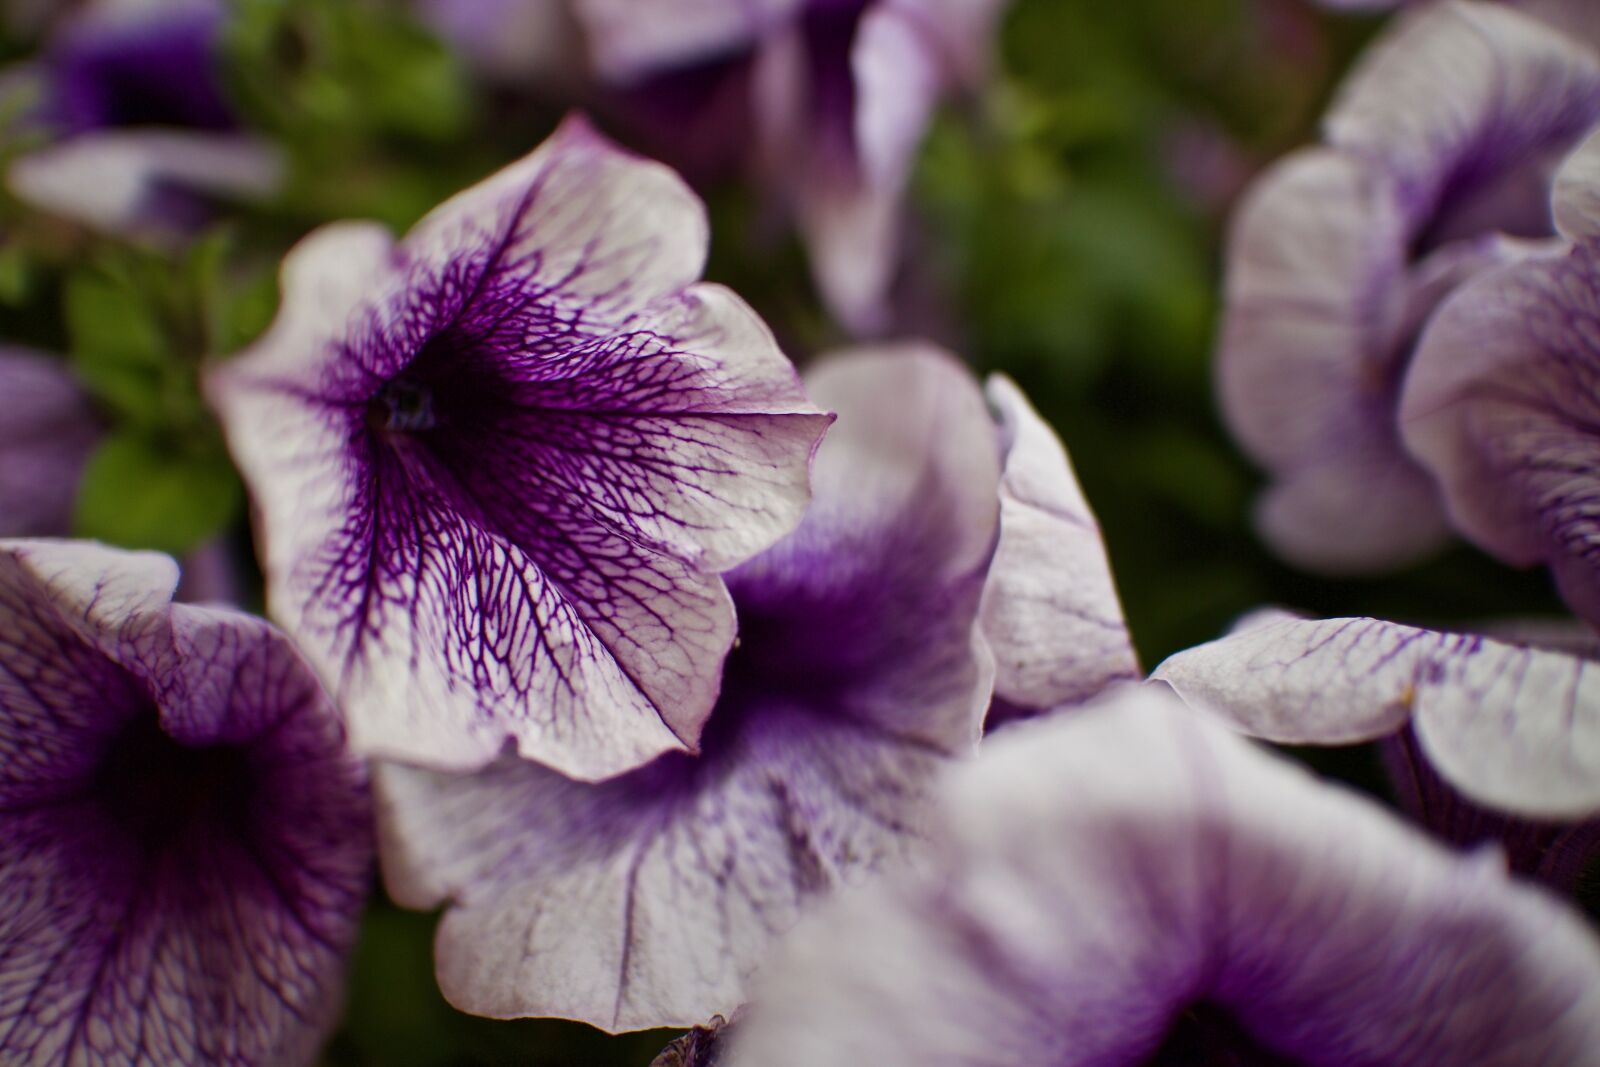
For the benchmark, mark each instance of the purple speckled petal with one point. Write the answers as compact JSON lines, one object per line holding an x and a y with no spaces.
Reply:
{"x":499,"y":463}
{"x":184,"y":844}
{"x":146,"y":180}
{"x":1133,"y":885}
{"x":1050,"y":608}
{"x":1512,"y":726}
{"x":1469,"y":106}
{"x":632,"y":38}
{"x":649,"y":899}
{"x":1501,"y":405}
{"x":47,"y":431}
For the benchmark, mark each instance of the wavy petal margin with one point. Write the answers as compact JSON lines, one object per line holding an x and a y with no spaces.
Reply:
{"x":499,"y":465}
{"x":1133,"y":884}
{"x":649,"y":900}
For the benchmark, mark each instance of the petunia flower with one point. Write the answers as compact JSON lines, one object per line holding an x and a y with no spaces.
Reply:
{"x":512,"y":41}
{"x":1501,"y":401}
{"x":185,"y":845}
{"x":1134,"y":885}
{"x":500,"y":464}
{"x":147,"y":140}
{"x":828,"y":99}
{"x":47,"y":430}
{"x":862,"y":669}
{"x":1439,"y":153}
{"x":1486,"y":737}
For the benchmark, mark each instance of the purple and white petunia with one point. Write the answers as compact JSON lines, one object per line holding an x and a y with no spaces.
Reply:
{"x":148,"y":141}
{"x":185,"y":844}
{"x":1437,"y":163}
{"x":863,"y":667}
{"x":500,"y":464}
{"x":1501,"y":403}
{"x":47,"y":430}
{"x":828,"y":99}
{"x":1133,"y":884}
{"x":1512,"y":724}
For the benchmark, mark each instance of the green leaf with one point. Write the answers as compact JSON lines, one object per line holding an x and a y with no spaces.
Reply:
{"x":140,"y":492}
{"x":119,"y":350}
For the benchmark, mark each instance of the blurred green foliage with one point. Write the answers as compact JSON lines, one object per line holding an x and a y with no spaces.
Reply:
{"x":1067,"y":227}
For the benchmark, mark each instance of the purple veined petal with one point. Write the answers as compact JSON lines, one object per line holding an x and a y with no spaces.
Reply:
{"x":1511,"y":726}
{"x":186,"y":844}
{"x":629,"y":39}
{"x":47,"y":430}
{"x":499,"y":464}
{"x":1499,"y":405}
{"x":1050,"y":609}
{"x":1470,"y":106}
{"x":860,"y":672}
{"x":1575,"y":197}
{"x":146,"y":180}
{"x":1133,"y":885}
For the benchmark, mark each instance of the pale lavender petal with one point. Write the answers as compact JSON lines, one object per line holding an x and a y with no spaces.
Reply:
{"x":1511,"y":726}
{"x":145,"y":180}
{"x":630,"y":38}
{"x":515,"y":41}
{"x":1131,"y":884}
{"x":1501,"y":406}
{"x":1050,"y":609}
{"x":186,"y":845}
{"x":499,"y":464}
{"x":1575,"y":197}
{"x":47,"y":431}
{"x":1313,"y":341}
{"x":848,"y":196}
{"x":649,"y":899}
{"x":1469,"y":106}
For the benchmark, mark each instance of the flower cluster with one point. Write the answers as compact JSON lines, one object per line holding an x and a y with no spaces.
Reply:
{"x":793,"y":707}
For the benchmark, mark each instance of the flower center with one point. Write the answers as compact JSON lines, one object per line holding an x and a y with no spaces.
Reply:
{"x":154,"y":788}
{"x":402,"y":407}
{"x":1205,"y":1035}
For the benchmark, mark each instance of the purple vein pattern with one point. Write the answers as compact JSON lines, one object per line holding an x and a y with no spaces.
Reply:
{"x":827,"y":100}
{"x":862,"y":668}
{"x":47,"y":430}
{"x":1502,"y":403}
{"x":185,"y":845}
{"x":1511,"y":725}
{"x":1436,"y":166}
{"x":500,"y":464}
{"x":149,"y":142}
{"x":1134,"y":885}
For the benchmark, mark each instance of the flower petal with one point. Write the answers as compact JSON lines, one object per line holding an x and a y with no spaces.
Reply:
{"x":849,"y":202}
{"x":1469,"y":106}
{"x":541,"y":567}
{"x":1500,"y":406}
{"x":1050,"y":608}
{"x":630,"y":39}
{"x":860,"y":672}
{"x":1101,"y":878}
{"x":139,"y":181}
{"x":1513,"y":727}
{"x":185,"y":844}
{"x":47,"y":431}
